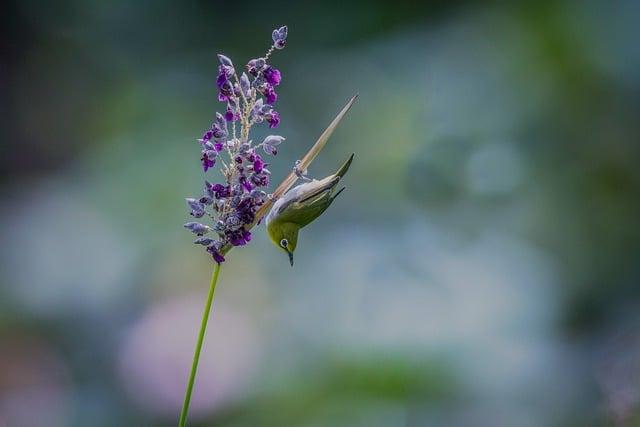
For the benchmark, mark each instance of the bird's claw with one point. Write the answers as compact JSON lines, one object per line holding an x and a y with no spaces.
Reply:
{"x":301,"y":174}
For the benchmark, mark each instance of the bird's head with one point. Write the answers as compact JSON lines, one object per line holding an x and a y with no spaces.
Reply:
{"x":284,"y":236}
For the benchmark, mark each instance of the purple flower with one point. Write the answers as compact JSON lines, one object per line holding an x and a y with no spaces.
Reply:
{"x":206,"y":200}
{"x":259,"y":110}
{"x":235,"y":201}
{"x":222,"y":79}
{"x":208,"y":159}
{"x":225,"y":68}
{"x":269,"y":93}
{"x":245,"y":211}
{"x":260,"y":179}
{"x":197,"y":228}
{"x":232,"y":114}
{"x":215,"y":253}
{"x":279,"y":37}
{"x":245,"y":85}
{"x":255,"y":66}
{"x":204,"y":241}
{"x":225,"y":61}
{"x":197,"y":208}
{"x":245,"y":183}
{"x":258,"y":164}
{"x":239,"y":237}
{"x":220,"y":191}
{"x":273,"y":118}
{"x":270,"y":142}
{"x":272,"y":76}
{"x":226,"y":91}
{"x":258,"y":196}
{"x":218,"y":133}
{"x":206,"y":137}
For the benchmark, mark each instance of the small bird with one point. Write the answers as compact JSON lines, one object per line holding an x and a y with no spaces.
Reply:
{"x":300,"y":206}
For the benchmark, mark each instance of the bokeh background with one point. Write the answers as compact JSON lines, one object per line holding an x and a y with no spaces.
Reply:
{"x":482,"y":268}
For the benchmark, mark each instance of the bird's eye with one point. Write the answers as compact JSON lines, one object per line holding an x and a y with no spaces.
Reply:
{"x":284,"y":243}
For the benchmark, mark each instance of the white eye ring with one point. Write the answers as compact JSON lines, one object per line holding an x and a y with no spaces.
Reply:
{"x":284,"y":243}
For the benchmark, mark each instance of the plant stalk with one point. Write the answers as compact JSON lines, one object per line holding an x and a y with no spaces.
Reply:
{"x":196,"y":354}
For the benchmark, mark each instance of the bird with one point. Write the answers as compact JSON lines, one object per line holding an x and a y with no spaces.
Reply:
{"x":300,"y":206}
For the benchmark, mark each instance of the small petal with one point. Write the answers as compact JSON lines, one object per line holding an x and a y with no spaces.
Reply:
{"x":270,"y":149}
{"x":245,"y":85}
{"x":258,"y":164}
{"x":197,"y":228}
{"x":225,"y":60}
{"x":272,"y":76}
{"x":214,"y":250}
{"x":279,"y":37}
{"x":270,"y":94}
{"x":194,"y":204}
{"x":273,"y":118}
{"x":273,"y":140}
{"x":255,"y":66}
{"x":205,"y":241}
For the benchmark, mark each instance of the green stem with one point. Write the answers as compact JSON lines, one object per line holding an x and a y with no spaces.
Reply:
{"x":196,"y":354}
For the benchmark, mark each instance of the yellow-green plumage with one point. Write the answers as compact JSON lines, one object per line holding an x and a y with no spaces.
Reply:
{"x":300,"y":206}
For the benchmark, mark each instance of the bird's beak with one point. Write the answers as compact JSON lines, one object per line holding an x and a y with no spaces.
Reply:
{"x":290,"y":258}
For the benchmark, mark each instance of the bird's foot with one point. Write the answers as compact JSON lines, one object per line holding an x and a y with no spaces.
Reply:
{"x":301,"y":174}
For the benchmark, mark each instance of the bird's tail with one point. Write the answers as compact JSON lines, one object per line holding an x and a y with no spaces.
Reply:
{"x":345,"y":167}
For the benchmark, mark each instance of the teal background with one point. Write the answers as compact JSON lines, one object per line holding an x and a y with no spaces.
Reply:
{"x":481,"y":269}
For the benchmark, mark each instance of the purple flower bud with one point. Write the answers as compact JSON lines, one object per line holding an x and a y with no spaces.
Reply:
{"x":273,"y":140}
{"x":273,"y":118}
{"x":232,"y":114}
{"x":215,"y":253}
{"x":221,"y":122}
{"x":245,"y":183}
{"x":207,"y":161}
{"x":206,"y":136}
{"x":232,"y":221}
{"x":272,"y":76}
{"x":197,"y":208}
{"x":269,"y":93}
{"x":219,"y":133}
{"x":225,"y":60}
{"x":245,"y":85}
{"x":258,"y":164}
{"x":197,"y":228}
{"x":260,"y":180}
{"x":205,"y":241}
{"x":218,"y":146}
{"x":279,"y":37}
{"x":220,"y":191}
{"x":239,"y":237}
{"x":256,"y":111}
{"x":258,"y":196}
{"x":205,"y":200}
{"x":255,"y":66}
{"x":270,"y":149}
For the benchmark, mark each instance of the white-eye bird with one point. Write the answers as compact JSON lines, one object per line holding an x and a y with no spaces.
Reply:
{"x":300,"y":206}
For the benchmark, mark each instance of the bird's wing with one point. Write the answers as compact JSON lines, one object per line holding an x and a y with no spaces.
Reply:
{"x":307,"y":202}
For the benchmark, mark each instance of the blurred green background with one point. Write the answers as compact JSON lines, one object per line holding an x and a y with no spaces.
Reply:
{"x":481,"y":269}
